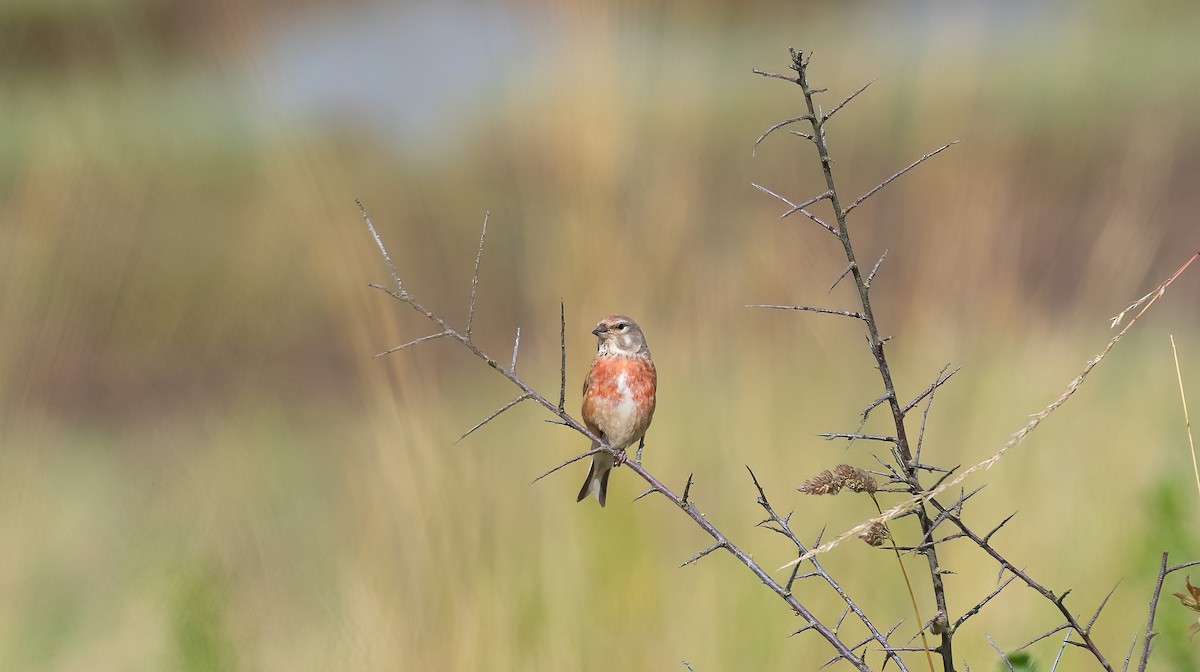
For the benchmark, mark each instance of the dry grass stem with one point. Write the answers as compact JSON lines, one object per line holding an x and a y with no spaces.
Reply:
{"x":1187,"y":420}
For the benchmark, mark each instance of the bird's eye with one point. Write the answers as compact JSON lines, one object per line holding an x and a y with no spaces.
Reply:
{"x":621,"y":326}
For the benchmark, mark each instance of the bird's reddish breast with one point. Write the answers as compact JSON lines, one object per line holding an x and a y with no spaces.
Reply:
{"x":620,"y":396}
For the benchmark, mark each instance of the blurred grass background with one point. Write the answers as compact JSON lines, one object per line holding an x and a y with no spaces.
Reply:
{"x":204,"y":469}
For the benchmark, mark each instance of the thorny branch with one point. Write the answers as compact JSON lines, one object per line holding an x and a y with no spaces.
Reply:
{"x":683,"y":502}
{"x":908,"y":465}
{"x":840,"y":228}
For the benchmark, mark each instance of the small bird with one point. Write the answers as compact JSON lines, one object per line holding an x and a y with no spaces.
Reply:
{"x":618,"y":397}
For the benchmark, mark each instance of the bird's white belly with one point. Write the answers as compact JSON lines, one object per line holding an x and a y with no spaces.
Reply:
{"x":621,"y":416}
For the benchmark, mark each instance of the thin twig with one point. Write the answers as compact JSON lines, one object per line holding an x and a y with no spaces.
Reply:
{"x":413,"y":342}
{"x":800,"y":206}
{"x":889,"y":180}
{"x":516,"y":346}
{"x":475,"y":276}
{"x":856,"y":436}
{"x":1003,"y":656}
{"x":802,"y":211}
{"x":875,"y":268}
{"x":703,"y":553}
{"x":925,"y":414}
{"x":1129,"y":655}
{"x":774,"y":128}
{"x":811,"y":309}
{"x":764,"y":73}
{"x":938,"y":382}
{"x":562,"y":369}
{"x":379,"y":242}
{"x":569,"y":461}
{"x":1063,"y":647}
{"x":1162,"y":576}
{"x":842,"y":104}
{"x":840,"y":277}
{"x":1100,"y":608}
{"x":979,"y":605}
{"x":514,"y":402}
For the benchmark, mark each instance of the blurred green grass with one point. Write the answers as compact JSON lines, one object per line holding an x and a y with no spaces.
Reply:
{"x":203,"y":468}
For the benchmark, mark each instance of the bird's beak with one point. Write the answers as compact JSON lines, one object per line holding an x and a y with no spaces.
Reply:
{"x":600,"y":329}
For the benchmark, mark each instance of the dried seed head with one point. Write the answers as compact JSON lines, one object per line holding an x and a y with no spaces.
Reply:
{"x":875,"y":534}
{"x":855,"y":479}
{"x":824,"y":483}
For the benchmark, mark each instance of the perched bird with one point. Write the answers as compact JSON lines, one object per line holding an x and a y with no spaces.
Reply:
{"x":618,"y":397}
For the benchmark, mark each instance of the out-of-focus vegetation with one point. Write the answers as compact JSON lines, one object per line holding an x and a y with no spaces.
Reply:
{"x":203,"y":468}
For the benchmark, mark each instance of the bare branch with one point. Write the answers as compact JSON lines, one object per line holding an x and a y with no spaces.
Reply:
{"x":856,"y":436}
{"x":1003,"y":656}
{"x":801,"y":206}
{"x":875,"y":268}
{"x":979,"y":605}
{"x":1092,"y":621}
{"x":703,"y":553}
{"x":889,"y":180}
{"x":413,"y":342}
{"x":562,"y":369}
{"x":491,"y":417}
{"x":1061,"y":649}
{"x":1051,"y":631}
{"x":988,"y":537}
{"x":570,"y":461}
{"x":785,"y":78}
{"x":1162,"y":575}
{"x":843,"y":274}
{"x":475,"y":275}
{"x":938,"y":382}
{"x":686,"y":489}
{"x":802,"y":211}
{"x":516,"y":346}
{"x":843,"y":103}
{"x":776,"y":127}
{"x":1185,"y":565}
{"x":925,"y":415}
{"x":650,"y":491}
{"x":811,"y":309}
{"x":1129,"y":655}
{"x":379,"y":241}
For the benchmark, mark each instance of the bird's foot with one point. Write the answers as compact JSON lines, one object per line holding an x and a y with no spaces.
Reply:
{"x":620,"y":456}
